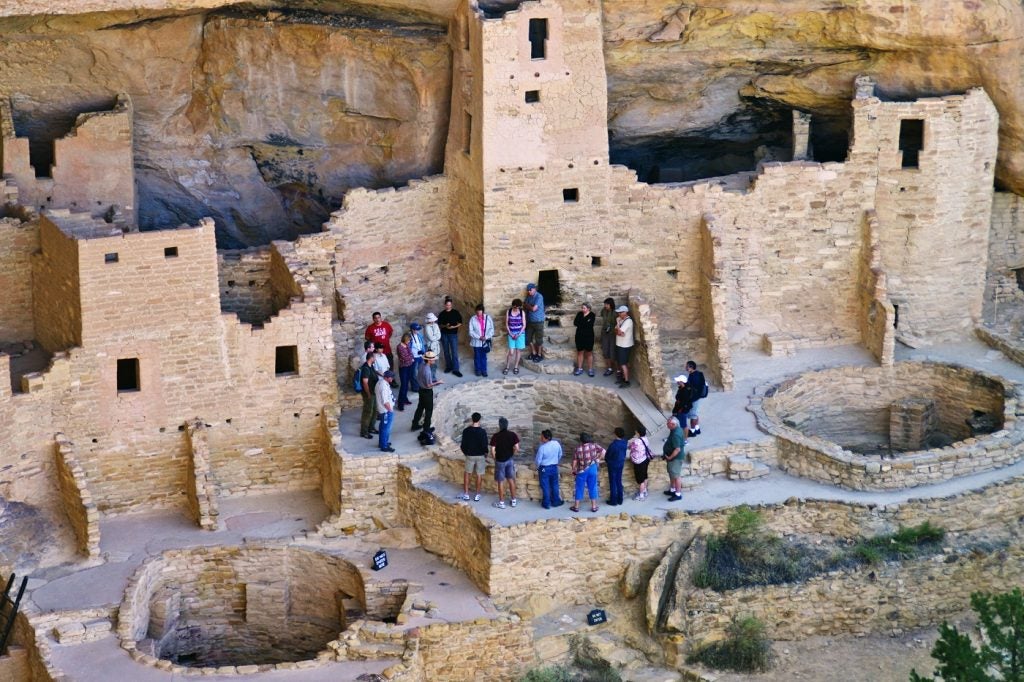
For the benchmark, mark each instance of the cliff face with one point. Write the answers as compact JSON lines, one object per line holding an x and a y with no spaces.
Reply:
{"x":264,"y":118}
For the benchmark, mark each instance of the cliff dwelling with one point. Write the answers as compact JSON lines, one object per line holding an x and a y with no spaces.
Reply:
{"x":205,"y":204}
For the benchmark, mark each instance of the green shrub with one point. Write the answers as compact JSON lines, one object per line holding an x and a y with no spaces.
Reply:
{"x":905,"y":543}
{"x":1001,"y":654}
{"x":745,"y":649}
{"x":744,"y":524}
{"x":551,"y":673}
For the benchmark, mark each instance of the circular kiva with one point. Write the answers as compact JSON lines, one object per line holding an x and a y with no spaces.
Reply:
{"x":909,"y":424}
{"x":244,"y":606}
{"x":567,"y":408}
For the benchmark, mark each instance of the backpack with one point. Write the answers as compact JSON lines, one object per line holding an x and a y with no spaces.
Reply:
{"x":704,"y":393}
{"x":357,"y":380}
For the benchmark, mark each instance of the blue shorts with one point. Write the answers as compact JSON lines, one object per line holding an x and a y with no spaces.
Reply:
{"x":517,"y":343}
{"x":694,"y":412}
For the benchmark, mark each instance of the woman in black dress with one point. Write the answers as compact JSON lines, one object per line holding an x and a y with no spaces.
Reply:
{"x":584,"y":324}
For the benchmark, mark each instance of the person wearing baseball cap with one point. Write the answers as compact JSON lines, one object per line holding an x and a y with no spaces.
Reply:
{"x":682,"y":404}
{"x":386,"y":410}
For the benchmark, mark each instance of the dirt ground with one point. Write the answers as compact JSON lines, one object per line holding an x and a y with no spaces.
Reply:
{"x":875,"y":658}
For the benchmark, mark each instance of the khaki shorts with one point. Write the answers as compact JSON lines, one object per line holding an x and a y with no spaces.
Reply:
{"x":476,"y":464}
{"x":535,"y":333}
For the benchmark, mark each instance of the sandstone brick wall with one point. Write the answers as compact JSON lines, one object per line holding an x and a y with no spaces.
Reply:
{"x":56,"y":303}
{"x":862,"y":600}
{"x":454,"y":651}
{"x":18,"y":241}
{"x":876,"y":310}
{"x":714,"y":305}
{"x":244,"y":281}
{"x":200,"y":484}
{"x":93,"y":168}
{"x":453,"y":532}
{"x":78,"y":503}
{"x":1005,"y":252}
{"x":935,"y":219}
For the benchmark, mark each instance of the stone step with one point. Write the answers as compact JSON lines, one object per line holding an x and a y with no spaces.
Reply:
{"x":742,"y":468}
{"x":549,"y":366}
{"x":368,"y":651}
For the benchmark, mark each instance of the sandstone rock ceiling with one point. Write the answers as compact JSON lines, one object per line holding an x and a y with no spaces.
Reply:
{"x":263,"y":114}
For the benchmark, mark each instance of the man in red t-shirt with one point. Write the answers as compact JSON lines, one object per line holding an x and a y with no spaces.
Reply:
{"x":380,"y":332}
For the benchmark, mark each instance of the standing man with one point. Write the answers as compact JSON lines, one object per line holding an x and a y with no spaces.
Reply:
{"x":386,"y":410}
{"x":379,"y":331}
{"x":450,"y":320}
{"x":474,"y":447}
{"x":549,"y":453}
{"x":368,"y":381}
{"x":697,"y":386}
{"x":425,"y":407}
{"x":623,"y":343}
{"x":418,"y":347}
{"x":608,"y":336}
{"x":481,"y":330}
{"x":534,"y":307}
{"x":504,"y":446}
{"x":615,"y":458}
{"x":673,"y":451}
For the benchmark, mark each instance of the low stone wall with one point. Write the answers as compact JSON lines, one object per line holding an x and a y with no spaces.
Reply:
{"x":452,"y":531}
{"x":887,"y":597}
{"x":1009,"y":346}
{"x":200,"y":486}
{"x":876,"y":310}
{"x":835,"y":402}
{"x":454,"y":652}
{"x":77,"y":500}
{"x":330,"y":461}
{"x":647,"y":365}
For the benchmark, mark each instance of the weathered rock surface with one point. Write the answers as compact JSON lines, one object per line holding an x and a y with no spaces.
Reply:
{"x":226,"y":102}
{"x":261,"y":120}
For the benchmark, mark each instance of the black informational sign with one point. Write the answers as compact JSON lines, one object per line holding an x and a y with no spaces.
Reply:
{"x":596,"y":617}
{"x":380,"y":560}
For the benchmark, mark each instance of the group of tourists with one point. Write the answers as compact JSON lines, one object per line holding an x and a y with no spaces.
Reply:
{"x":502,"y":447}
{"x":422,"y":345}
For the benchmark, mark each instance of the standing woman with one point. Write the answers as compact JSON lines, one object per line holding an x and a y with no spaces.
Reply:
{"x":608,"y":336}
{"x":481,"y":329}
{"x":432,"y":334}
{"x":515,"y":323}
{"x":639,"y":450}
{"x":584,"y":323}
{"x":406,"y":366}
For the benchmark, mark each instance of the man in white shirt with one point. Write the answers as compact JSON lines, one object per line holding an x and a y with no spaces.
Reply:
{"x":623,"y":343}
{"x":386,"y":409}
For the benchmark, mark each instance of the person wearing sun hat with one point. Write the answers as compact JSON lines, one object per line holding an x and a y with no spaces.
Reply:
{"x":432,"y":334}
{"x":424,"y":413}
{"x":623,"y":343}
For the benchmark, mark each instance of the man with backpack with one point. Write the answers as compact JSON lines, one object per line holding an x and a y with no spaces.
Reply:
{"x":697,"y":387}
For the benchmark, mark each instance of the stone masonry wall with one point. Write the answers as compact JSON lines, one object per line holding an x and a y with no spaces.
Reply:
{"x":18,"y":241}
{"x":453,"y":651}
{"x":200,"y":484}
{"x":78,"y":502}
{"x":244,"y":280}
{"x":453,"y":532}
{"x":884,"y":598}
{"x":56,"y":303}
{"x":877,"y":314}
{"x":1005,"y":253}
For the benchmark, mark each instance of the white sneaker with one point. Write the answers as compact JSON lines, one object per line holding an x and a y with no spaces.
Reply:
{"x":464,"y":496}
{"x":476,"y":498}
{"x":514,"y":501}
{"x":499,"y":505}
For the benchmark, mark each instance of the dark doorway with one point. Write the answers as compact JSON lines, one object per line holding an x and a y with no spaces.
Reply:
{"x":830,"y":138}
{"x":538,"y":38}
{"x":911,"y":141}
{"x":547,"y":285}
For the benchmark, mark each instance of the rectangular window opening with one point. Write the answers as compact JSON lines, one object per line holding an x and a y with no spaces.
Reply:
{"x":595,"y":261}
{"x":110,"y":258}
{"x":41,"y":156}
{"x":467,"y":132}
{"x":532,"y":96}
{"x":128,"y":375}
{"x":465,"y":34}
{"x":911,"y":141}
{"x":895,"y":316}
{"x":171,"y":252}
{"x":571,"y":195}
{"x":538,"y":38}
{"x":1019,"y":274}
{"x":286,"y":360}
